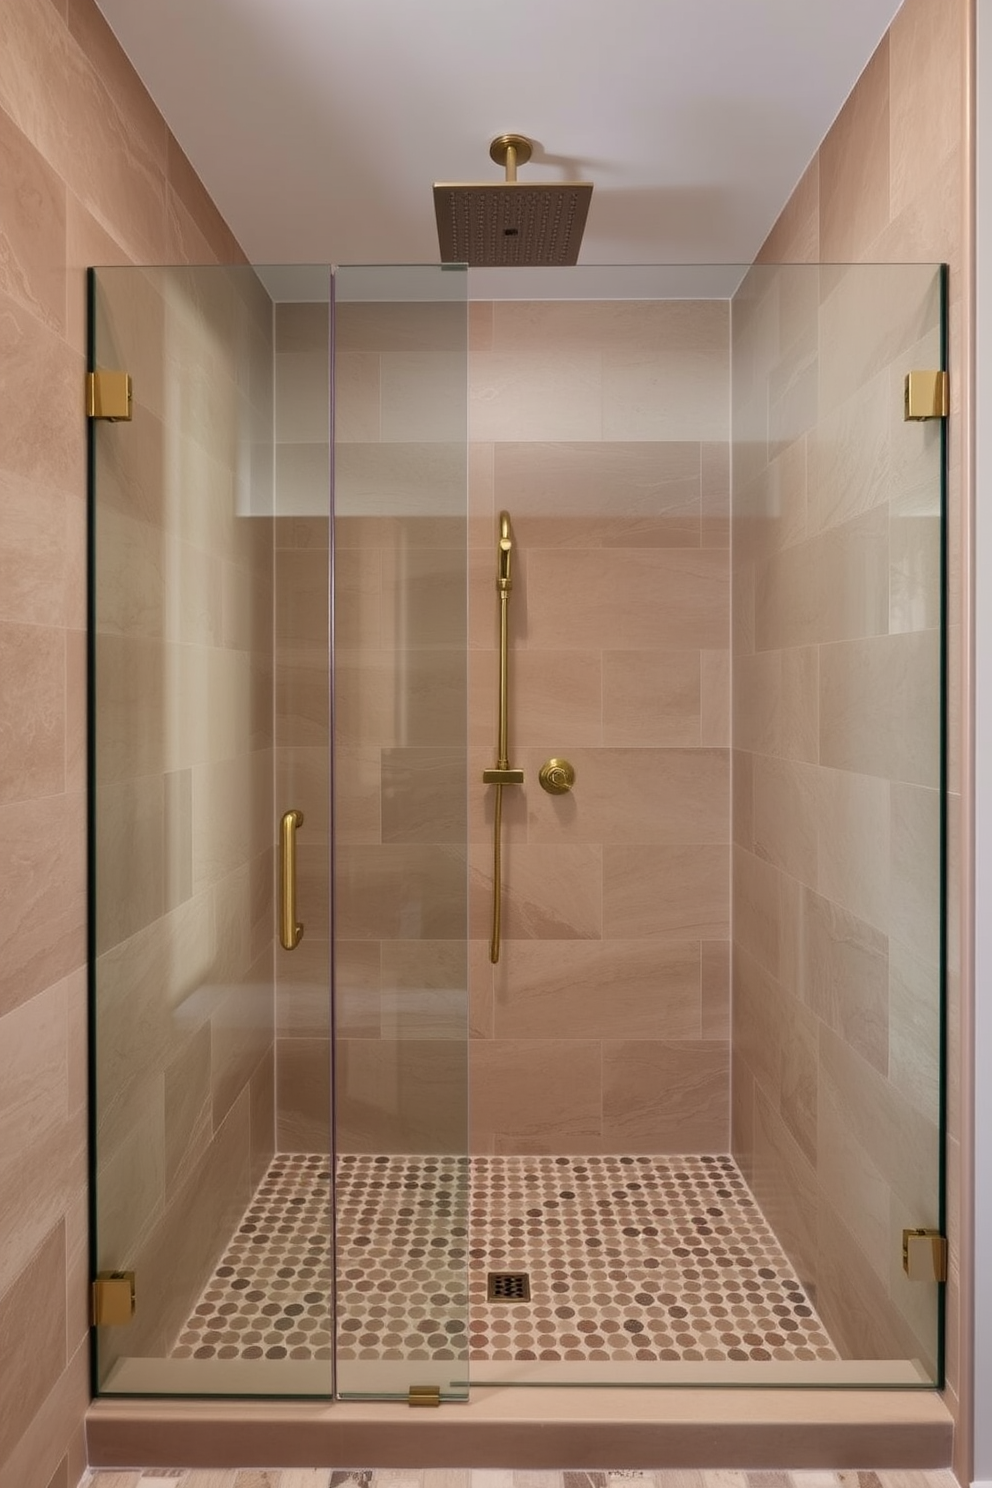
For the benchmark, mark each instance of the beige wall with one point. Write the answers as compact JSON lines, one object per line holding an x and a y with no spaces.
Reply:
{"x":602,"y":429}
{"x":890,"y":184}
{"x":90,"y":174}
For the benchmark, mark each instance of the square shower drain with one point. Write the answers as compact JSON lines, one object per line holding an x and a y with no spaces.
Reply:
{"x":507,"y":1286}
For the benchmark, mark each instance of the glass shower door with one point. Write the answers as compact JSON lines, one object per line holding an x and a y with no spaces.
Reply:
{"x":210,"y":1146}
{"x":400,"y":901}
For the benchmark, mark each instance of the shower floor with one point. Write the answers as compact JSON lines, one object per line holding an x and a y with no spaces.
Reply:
{"x":629,"y":1258}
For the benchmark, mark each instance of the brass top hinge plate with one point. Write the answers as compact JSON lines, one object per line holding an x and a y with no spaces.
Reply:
{"x":112,"y":1299}
{"x":924,"y":1255}
{"x":424,"y":1395}
{"x":927,"y":396}
{"x":108,"y":396}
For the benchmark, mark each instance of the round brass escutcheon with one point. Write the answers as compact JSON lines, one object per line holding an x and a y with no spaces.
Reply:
{"x":503,"y":143}
{"x":557,"y":776}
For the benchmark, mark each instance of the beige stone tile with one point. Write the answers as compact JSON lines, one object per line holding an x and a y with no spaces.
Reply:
{"x":742,"y":798}
{"x":32,"y":695}
{"x":915,"y":868}
{"x":714,"y":721}
{"x":302,"y":682}
{"x":303,"y":983}
{"x":715,"y":988}
{"x":634,"y":795}
{"x":851,"y":1300}
{"x":785,"y":815}
{"x":901,"y":1142}
{"x":850,"y":456}
{"x":742,"y":609}
{"x":130,"y":832}
{"x":760,"y":897}
{"x":853,"y":835}
{"x":42,"y":882}
{"x":846,"y":976}
{"x":302,"y":396}
{"x":423,"y":597}
{"x":610,"y":494}
{"x":742,"y":1114}
{"x":401,"y":1095}
{"x":678,"y":389}
{"x":43,"y":1443}
{"x":758,"y":1006}
{"x":926,"y":44}
{"x":655,"y":598}
{"x":303,"y":783}
{"x":33,"y":210}
{"x":356,"y":396}
{"x":357,"y":791}
{"x":37,"y":442}
{"x":32,"y":1352}
{"x":606,"y":989}
{"x":655,"y":697}
{"x":40,"y":554}
{"x":550,"y":891}
{"x":301,"y":596}
{"x":423,"y":795}
{"x":188,"y":1126}
{"x":665,"y":892}
{"x":784,"y":1184}
{"x":411,"y":325}
{"x":567,"y":326}
{"x":665,"y":1097}
{"x":422,"y":395}
{"x":914,"y":566}
{"x":798,"y":1099}
{"x":776,"y":704}
{"x":400,"y":890}
{"x":854,"y":166}
{"x":303,"y":1082}
{"x":480,"y":325}
{"x":879,"y":710}
{"x":313,"y":891}
{"x":556,"y":698}
{"x":536,"y":396}
{"x":536,"y":1093}
{"x":480,"y":989}
{"x":424,"y":991}
{"x":914,"y":1028}
{"x":185,"y":184}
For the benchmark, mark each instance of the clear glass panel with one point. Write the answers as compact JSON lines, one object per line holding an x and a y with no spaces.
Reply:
{"x":838,"y":571}
{"x":192,"y":1184}
{"x":401,"y":830}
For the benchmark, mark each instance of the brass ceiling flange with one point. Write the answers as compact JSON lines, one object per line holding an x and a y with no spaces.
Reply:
{"x":501,"y":146}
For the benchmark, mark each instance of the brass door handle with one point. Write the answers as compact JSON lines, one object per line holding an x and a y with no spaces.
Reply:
{"x":290,"y":931}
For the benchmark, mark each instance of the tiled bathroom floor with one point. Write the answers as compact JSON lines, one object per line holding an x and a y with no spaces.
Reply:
{"x":629,"y":1258}
{"x":322,"y":1477}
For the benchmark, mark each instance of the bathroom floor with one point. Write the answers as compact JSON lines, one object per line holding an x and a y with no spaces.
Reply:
{"x":628,"y":1258}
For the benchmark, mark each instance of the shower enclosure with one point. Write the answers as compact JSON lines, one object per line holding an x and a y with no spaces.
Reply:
{"x":702,"y":1138}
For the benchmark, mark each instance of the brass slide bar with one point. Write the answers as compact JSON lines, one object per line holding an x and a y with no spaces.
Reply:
{"x":290,"y":930}
{"x":503,"y":774}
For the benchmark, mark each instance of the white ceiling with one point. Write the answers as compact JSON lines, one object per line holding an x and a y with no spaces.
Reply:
{"x":319,"y":126}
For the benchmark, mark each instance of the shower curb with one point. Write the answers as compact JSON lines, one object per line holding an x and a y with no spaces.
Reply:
{"x":542,"y":1428}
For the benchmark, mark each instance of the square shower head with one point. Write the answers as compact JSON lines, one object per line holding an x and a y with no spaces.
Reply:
{"x":511,"y":224}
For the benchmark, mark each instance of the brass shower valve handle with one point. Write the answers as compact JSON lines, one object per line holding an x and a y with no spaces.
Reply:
{"x":557,"y":776}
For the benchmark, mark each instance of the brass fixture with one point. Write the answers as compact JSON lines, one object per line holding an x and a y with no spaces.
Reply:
{"x":112,"y":1299}
{"x":557,"y":776}
{"x":927,"y":396}
{"x":924,"y":1255}
{"x":290,"y":930}
{"x":424,"y":1395}
{"x":511,"y":223}
{"x":108,"y":396}
{"x":503,"y":774}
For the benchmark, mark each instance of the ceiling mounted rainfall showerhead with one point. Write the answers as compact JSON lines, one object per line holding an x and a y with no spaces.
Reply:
{"x":511,"y":223}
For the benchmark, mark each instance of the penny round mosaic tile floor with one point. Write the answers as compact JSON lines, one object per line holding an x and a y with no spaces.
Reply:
{"x":629,"y":1258}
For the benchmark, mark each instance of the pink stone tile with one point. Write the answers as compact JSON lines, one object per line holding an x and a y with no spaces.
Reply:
{"x":661,"y":1096}
{"x":32,"y":695}
{"x":666,"y":893}
{"x":854,"y":166}
{"x":32,"y":208}
{"x":43,"y":883}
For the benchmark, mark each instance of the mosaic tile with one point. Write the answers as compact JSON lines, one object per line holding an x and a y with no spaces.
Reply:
{"x":629,"y":1258}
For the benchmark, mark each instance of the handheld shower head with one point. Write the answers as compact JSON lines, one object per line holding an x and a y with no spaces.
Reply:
{"x":511,"y":223}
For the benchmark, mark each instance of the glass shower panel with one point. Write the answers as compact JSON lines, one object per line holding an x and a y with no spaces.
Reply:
{"x":400,"y":902}
{"x":838,"y":701}
{"x":189,"y":1183}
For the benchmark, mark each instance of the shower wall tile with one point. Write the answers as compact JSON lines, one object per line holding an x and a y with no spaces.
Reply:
{"x":654,"y":697}
{"x":543,"y":1094}
{"x":665,"y":893}
{"x":659,"y":1095}
{"x":854,"y":166}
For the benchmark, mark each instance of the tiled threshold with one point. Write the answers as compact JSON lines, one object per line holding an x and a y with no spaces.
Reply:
{"x":544,"y":1428}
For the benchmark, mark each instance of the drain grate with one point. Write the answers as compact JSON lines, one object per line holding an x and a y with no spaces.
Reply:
{"x":507,"y":1286}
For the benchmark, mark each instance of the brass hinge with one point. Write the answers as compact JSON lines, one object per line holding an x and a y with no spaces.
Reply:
{"x":112,"y":1299}
{"x":927,"y":396}
{"x":108,"y":396}
{"x":424,"y":1395}
{"x":924,"y":1255}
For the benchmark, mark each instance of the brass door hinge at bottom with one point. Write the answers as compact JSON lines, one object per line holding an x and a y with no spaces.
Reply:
{"x":424,"y":1395}
{"x":108,"y":396}
{"x":112,"y":1299}
{"x":924,"y":1255}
